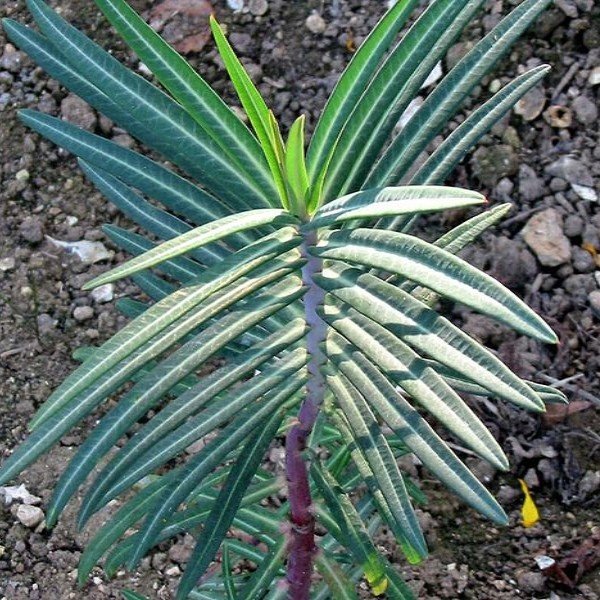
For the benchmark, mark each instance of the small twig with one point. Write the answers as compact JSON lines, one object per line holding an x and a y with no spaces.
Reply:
{"x":562,"y":84}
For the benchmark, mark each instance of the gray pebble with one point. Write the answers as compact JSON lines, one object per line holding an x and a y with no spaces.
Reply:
{"x":12,"y":59}
{"x":583,"y":261}
{"x":585,"y":110}
{"x":78,"y":112}
{"x":573,"y":226}
{"x":572,"y":170}
{"x":315,"y":23}
{"x":531,"y":187}
{"x":31,"y":230}
{"x":30,"y":516}
{"x":594,"y":300}
{"x":258,"y":7}
{"x":83,"y":313}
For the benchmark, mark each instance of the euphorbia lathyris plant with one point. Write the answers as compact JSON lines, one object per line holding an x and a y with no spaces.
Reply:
{"x":300,"y":270}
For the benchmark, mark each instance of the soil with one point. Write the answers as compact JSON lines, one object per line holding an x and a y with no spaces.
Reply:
{"x":44,"y":315}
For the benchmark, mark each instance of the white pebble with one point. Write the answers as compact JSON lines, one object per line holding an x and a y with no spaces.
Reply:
{"x":30,"y":516}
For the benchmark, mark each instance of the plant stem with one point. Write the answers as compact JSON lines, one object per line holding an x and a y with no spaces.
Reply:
{"x":302,"y":544}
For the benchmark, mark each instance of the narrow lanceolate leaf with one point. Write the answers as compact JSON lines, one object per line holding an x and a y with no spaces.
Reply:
{"x":355,"y":537}
{"x":190,"y":402}
{"x":398,"y":362}
{"x":196,"y":238}
{"x":226,"y":568}
{"x":150,"y":390}
{"x":295,"y":167}
{"x":254,"y":105}
{"x":263,"y":578}
{"x":456,"y":145}
{"x":382,"y":463}
{"x":188,"y":88}
{"x":410,"y":426}
{"x":392,"y":201}
{"x":227,"y":504}
{"x":428,"y":332}
{"x":445,"y":100}
{"x":171,"y":129}
{"x":175,"y":441}
{"x":152,"y":179}
{"x":436,"y":269}
{"x":390,"y":92}
{"x":459,"y":237}
{"x":129,"y":595}
{"x":207,"y":459}
{"x":162,"y":315}
{"x":341,"y":587}
{"x":145,"y":214}
{"x":352,"y":84}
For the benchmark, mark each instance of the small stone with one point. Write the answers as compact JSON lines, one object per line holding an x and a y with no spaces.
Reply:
{"x":594,"y":76}
{"x":531,"y":187}
{"x":46,"y":325}
{"x":12,"y":59}
{"x":235,"y":5}
{"x":19,"y":493}
{"x":83,"y":313}
{"x":88,"y":252}
{"x":77,"y":111}
{"x":589,"y":484}
{"x":258,"y":7}
{"x":7,"y":264}
{"x":543,"y":233}
{"x":507,"y":494}
{"x":103,"y":293}
{"x":586,"y":111}
{"x":594,"y":300}
{"x":22,"y":175}
{"x":559,"y":117}
{"x":530,"y":582}
{"x":571,"y":170}
{"x":531,"y":479}
{"x":174,"y":571}
{"x":583,"y":261}
{"x":531,"y":105}
{"x":315,"y":23}
{"x":30,"y":516}
{"x":568,"y":7}
{"x":491,"y":163}
{"x":31,"y":230}
{"x":584,"y":192}
{"x":573,"y":226}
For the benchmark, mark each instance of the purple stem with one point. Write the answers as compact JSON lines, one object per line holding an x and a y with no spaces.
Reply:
{"x":302,"y":543}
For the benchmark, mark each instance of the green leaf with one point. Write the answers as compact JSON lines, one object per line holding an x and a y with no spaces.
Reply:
{"x":200,"y":236}
{"x":392,"y":201}
{"x":295,"y":166}
{"x":226,"y":568}
{"x":357,"y":539}
{"x":378,"y":454}
{"x":129,"y":595}
{"x":253,"y":104}
{"x":340,"y":585}
{"x":456,"y":145}
{"x":149,"y":177}
{"x":151,"y":218}
{"x":412,"y":429}
{"x":445,"y":100}
{"x":164,"y":314}
{"x":191,"y":91}
{"x":436,"y":269}
{"x":352,"y":84}
{"x":396,"y":83}
{"x":149,"y":391}
{"x":428,"y":332}
{"x":149,"y":457}
{"x":263,"y":578}
{"x":171,"y":129}
{"x":227,"y":504}
{"x":398,"y":362}
{"x":205,"y":461}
